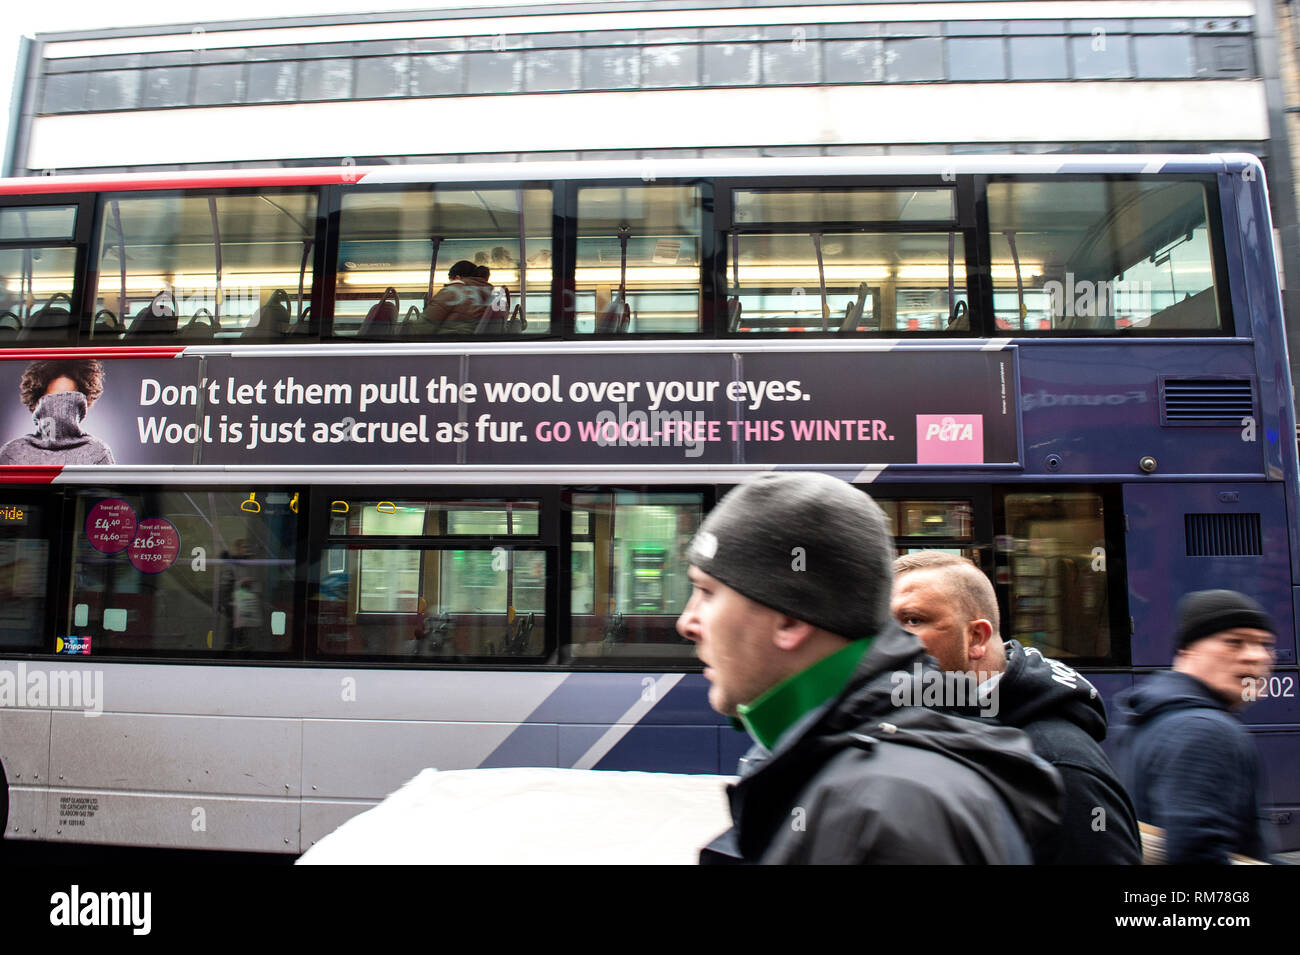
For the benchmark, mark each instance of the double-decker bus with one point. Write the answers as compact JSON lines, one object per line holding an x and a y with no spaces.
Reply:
{"x":315,"y":478}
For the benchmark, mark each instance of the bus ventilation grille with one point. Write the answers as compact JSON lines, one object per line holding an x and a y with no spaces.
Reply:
{"x":1223,"y":535}
{"x":1209,"y":400}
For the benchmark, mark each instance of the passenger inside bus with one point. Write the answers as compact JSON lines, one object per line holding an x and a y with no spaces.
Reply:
{"x":459,"y":306}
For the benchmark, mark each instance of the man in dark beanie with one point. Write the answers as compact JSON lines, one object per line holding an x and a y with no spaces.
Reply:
{"x":790,"y":617}
{"x":1183,"y":754}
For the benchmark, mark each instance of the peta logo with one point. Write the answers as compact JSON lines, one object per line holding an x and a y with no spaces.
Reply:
{"x":950,"y":430}
{"x":949,"y":439}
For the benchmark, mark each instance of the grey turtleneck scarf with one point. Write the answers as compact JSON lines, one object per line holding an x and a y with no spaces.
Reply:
{"x":58,"y":438}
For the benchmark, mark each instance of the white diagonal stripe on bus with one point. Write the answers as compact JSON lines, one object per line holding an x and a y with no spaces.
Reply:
{"x":611,"y":737}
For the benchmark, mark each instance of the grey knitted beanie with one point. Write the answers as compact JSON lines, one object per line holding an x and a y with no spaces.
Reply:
{"x":805,"y":544}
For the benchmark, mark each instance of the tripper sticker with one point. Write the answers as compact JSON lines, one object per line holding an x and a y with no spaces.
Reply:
{"x":110,"y":526}
{"x":156,"y":546}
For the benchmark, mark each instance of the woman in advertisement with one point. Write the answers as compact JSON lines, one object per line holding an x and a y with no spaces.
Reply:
{"x":59,"y":393}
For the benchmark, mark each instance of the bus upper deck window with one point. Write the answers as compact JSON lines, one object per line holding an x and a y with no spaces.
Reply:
{"x":204,"y":267}
{"x":638,"y":264}
{"x":37,"y":268}
{"x":1102,"y":256}
{"x":809,"y":261}
{"x":398,"y":251}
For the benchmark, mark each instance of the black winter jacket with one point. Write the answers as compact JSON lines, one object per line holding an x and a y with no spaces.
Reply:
{"x":1191,"y":768}
{"x":1065,"y":720}
{"x":863,"y":780}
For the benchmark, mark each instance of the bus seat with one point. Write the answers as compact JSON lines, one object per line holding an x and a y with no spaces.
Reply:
{"x":198,"y":328}
{"x":156,"y":318}
{"x":853,"y":313}
{"x":50,"y":318}
{"x":381,"y":320}
{"x":411,"y":322}
{"x":104,"y":325}
{"x":273,"y":318}
{"x":1194,"y":311}
{"x":303,"y":325}
{"x":517,"y":322}
{"x":959,"y":320}
{"x":10,"y":325}
{"x":496,"y":313}
{"x":1092,"y":323}
{"x":616,"y":318}
{"x":734,"y":309}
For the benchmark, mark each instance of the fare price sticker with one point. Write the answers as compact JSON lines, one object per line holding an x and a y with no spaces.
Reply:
{"x":155,"y":547}
{"x":111,"y":526}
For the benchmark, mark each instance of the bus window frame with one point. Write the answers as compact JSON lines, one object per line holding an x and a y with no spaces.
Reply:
{"x":989,"y":521}
{"x":548,"y":539}
{"x":709,"y":304}
{"x":964,"y":222}
{"x":335,"y":234}
{"x":90,"y":276}
{"x":54,"y":515}
{"x":82,"y":237}
{"x":62,"y":576}
{"x":1117,"y":593}
{"x":710,"y":494}
{"x":1224,"y":282}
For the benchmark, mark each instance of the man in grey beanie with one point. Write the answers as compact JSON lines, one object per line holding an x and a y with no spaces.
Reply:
{"x":1183,"y":754}
{"x":789,"y":612}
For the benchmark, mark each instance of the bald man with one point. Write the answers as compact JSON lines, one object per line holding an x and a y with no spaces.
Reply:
{"x":950,"y":605}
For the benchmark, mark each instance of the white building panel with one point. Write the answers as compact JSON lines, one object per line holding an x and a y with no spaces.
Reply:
{"x":661,"y":119}
{"x":201,"y":39}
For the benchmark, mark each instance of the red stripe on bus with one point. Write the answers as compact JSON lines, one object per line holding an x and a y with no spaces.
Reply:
{"x":13,"y":474}
{"x":39,"y":354}
{"x":43,"y":185}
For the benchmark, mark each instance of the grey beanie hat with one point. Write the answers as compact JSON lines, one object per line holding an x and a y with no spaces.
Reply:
{"x":805,"y":544}
{"x":1207,"y":612}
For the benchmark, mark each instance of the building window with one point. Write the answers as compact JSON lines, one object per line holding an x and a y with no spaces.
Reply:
{"x":326,"y":79}
{"x":1101,"y":56}
{"x":437,"y":75}
{"x":1038,"y":58}
{"x":794,"y":61}
{"x":1164,"y":57}
{"x":552,"y":70}
{"x":382,"y":76}
{"x":216,"y":85}
{"x":855,"y":61}
{"x":976,"y":60}
{"x":166,"y":86}
{"x":731,"y":64}
{"x":611,"y":68}
{"x":272,"y":82}
{"x":670,"y":66}
{"x":495,"y":72}
{"x":113,"y":89}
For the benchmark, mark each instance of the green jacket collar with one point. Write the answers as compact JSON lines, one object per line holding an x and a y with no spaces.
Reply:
{"x":768,"y":717}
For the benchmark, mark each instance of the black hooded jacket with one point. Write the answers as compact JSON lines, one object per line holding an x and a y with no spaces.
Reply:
{"x":866,"y":780}
{"x":1192,"y":769}
{"x":1065,"y":719}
